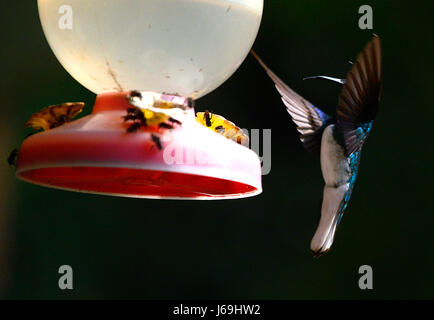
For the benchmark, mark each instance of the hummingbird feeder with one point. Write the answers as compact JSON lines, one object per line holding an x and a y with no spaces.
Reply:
{"x":146,"y":61}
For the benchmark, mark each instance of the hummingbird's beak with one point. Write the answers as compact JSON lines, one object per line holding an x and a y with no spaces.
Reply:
{"x":340,"y":82}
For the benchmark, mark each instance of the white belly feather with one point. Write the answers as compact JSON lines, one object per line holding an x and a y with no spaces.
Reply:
{"x":334,"y":165}
{"x":337,"y":173}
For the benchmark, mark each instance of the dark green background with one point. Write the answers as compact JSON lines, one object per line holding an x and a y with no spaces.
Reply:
{"x":251,"y":248}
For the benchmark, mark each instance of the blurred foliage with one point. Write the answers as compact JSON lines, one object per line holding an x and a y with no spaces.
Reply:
{"x":254,"y":248}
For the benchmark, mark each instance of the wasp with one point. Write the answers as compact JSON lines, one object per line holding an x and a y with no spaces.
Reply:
{"x":155,"y":110}
{"x":151,"y":109}
{"x":13,"y":156}
{"x":144,"y":118}
{"x":137,"y":116}
{"x":156,"y":139}
{"x":207,"y":116}
{"x":54,"y":116}
{"x":223,"y":127}
{"x":49,"y":118}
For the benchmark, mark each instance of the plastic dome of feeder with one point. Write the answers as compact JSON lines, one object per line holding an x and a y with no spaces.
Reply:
{"x":159,"y":48}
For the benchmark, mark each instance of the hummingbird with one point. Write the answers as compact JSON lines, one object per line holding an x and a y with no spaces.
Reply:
{"x":339,"y":140}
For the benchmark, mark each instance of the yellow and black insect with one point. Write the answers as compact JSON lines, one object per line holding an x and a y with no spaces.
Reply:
{"x":207,"y":116}
{"x":13,"y":156}
{"x":145,"y":118}
{"x":154,"y":112}
{"x":49,"y":118}
{"x":149,"y":111}
{"x":137,"y":116}
{"x":54,"y":116}
{"x":222,"y":126}
{"x":156,"y":139}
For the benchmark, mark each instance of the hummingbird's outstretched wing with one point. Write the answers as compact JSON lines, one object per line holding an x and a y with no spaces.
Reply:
{"x":310,"y":121}
{"x":358,"y":102}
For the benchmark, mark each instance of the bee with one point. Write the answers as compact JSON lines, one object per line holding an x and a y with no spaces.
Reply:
{"x":157,"y":109}
{"x":207,"y":118}
{"x":137,"y":116}
{"x":145,"y":118}
{"x":12,"y":159}
{"x":156,"y":139}
{"x":223,"y":127}
{"x":54,"y":116}
{"x":160,"y":111}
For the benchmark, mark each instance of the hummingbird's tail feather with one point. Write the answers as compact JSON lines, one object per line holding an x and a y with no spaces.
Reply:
{"x":325,"y":232}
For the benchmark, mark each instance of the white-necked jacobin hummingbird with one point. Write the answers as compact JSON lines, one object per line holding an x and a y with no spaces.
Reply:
{"x":339,"y":140}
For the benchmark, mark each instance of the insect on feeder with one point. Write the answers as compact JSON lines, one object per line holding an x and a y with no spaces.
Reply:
{"x":146,"y":61}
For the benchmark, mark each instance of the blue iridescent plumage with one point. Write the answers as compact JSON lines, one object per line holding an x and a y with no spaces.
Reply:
{"x":339,"y":140}
{"x":363,"y":131}
{"x":354,"y":162}
{"x":324,"y":116}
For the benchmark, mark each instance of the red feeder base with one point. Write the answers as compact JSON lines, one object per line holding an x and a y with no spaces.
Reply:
{"x":94,"y":154}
